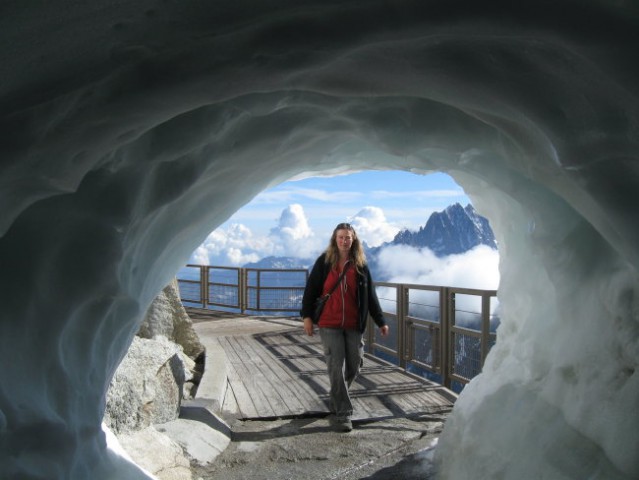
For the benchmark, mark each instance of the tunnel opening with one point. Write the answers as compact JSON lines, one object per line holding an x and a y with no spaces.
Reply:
{"x":534,"y":227}
{"x":531,"y":276}
{"x":150,"y":231}
{"x":534,"y":115}
{"x":415,"y":232}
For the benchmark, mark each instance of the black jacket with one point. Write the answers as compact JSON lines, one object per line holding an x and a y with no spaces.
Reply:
{"x":367,"y":301}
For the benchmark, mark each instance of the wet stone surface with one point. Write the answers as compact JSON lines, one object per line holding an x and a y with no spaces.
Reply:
{"x":310,"y":448}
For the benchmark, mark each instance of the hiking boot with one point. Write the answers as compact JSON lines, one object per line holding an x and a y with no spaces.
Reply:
{"x":343,"y":424}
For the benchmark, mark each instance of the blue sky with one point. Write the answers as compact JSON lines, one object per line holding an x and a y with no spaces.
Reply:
{"x":406,"y":199}
{"x":297,"y":217}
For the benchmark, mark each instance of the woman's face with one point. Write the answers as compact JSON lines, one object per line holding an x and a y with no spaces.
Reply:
{"x":344,"y":239}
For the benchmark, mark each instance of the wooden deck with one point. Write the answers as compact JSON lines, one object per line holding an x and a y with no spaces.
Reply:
{"x":280,"y":372}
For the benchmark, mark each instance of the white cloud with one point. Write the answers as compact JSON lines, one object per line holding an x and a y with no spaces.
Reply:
{"x":372,"y":227}
{"x":200,"y":256}
{"x":231,"y":247}
{"x":477,"y":268}
{"x":293,"y":236}
{"x":293,"y":224}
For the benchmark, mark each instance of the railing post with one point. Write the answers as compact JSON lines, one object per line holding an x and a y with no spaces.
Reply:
{"x":370,"y":334}
{"x":242,"y":287}
{"x":409,"y":336}
{"x":446,"y":303}
{"x":258,"y":290}
{"x":204,"y":284}
{"x":402,"y":311}
{"x":485,"y":327}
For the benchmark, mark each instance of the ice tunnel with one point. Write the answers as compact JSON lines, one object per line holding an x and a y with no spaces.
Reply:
{"x":131,"y":129}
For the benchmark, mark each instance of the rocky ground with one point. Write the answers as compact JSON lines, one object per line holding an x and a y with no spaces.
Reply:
{"x":309,"y":448}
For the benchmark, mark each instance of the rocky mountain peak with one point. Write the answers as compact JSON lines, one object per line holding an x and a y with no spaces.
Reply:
{"x":454,"y":230}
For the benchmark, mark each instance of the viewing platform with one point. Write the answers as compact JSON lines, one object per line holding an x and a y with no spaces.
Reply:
{"x":437,"y":332}
{"x":274,"y":369}
{"x":265,"y":376}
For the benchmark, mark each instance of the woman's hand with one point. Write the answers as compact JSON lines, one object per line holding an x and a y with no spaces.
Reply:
{"x":308,"y":326}
{"x":384,"y":330}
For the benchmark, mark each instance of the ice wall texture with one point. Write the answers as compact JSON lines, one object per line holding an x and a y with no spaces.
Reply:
{"x":130,"y":130}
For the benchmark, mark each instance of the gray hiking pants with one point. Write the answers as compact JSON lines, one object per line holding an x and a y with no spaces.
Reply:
{"x":343,"y":352}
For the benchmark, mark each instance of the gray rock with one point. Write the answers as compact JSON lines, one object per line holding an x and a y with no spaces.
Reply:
{"x":164,"y":364}
{"x":147,"y":386}
{"x":203,"y":437}
{"x":167,"y":317}
{"x":157,"y":454}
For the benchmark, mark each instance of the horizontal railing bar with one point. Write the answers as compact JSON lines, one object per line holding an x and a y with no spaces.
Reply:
{"x":226,"y":305}
{"x":473,"y":291}
{"x":460,"y":378}
{"x":254,"y":287}
{"x":466,"y":331}
{"x":301,"y":270}
{"x":384,"y":348}
{"x":425,"y":366}
{"x":410,"y":286}
{"x":211,"y":267}
{"x":422,"y":321}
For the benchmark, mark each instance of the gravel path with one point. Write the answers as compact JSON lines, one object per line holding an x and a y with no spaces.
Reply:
{"x":308,"y":448}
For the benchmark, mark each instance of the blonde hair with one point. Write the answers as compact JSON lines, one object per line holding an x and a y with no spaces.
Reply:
{"x":356,"y":253}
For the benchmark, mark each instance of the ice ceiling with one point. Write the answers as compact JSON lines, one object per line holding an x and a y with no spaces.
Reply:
{"x":130,"y":129}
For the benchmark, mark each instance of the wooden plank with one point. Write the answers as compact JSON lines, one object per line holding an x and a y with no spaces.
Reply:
{"x":266,"y":400}
{"x":239,"y":389}
{"x":292,"y":355}
{"x":288,"y":352}
{"x":245,"y":378}
{"x":289,"y":397}
{"x":369,"y":407}
{"x":274,"y":391}
{"x":229,"y":403}
{"x":307,"y":356}
{"x":284,"y":373}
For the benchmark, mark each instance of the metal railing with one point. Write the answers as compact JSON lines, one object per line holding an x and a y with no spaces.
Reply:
{"x":243,"y":289}
{"x":442,"y":333}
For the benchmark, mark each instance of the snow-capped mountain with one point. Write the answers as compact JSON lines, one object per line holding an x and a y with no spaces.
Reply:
{"x":455,"y":230}
{"x":281,"y":263}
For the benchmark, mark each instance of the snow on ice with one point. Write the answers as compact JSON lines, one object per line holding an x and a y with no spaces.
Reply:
{"x":130,"y":130}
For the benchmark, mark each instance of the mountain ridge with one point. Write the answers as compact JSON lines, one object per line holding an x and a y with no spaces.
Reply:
{"x":452,"y":231}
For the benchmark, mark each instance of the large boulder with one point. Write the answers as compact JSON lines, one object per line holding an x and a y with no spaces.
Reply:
{"x":164,"y":364}
{"x":147,"y":386}
{"x":167,"y":318}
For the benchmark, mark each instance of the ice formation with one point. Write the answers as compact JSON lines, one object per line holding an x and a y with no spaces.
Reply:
{"x":131,"y":129}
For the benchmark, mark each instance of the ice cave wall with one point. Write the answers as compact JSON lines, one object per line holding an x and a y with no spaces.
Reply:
{"x":130,"y":129}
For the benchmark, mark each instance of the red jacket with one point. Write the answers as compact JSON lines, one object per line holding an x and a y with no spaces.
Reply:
{"x":340,"y":310}
{"x":366,"y":296}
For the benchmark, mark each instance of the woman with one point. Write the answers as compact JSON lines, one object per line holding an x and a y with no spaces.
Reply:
{"x":343,"y":320}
